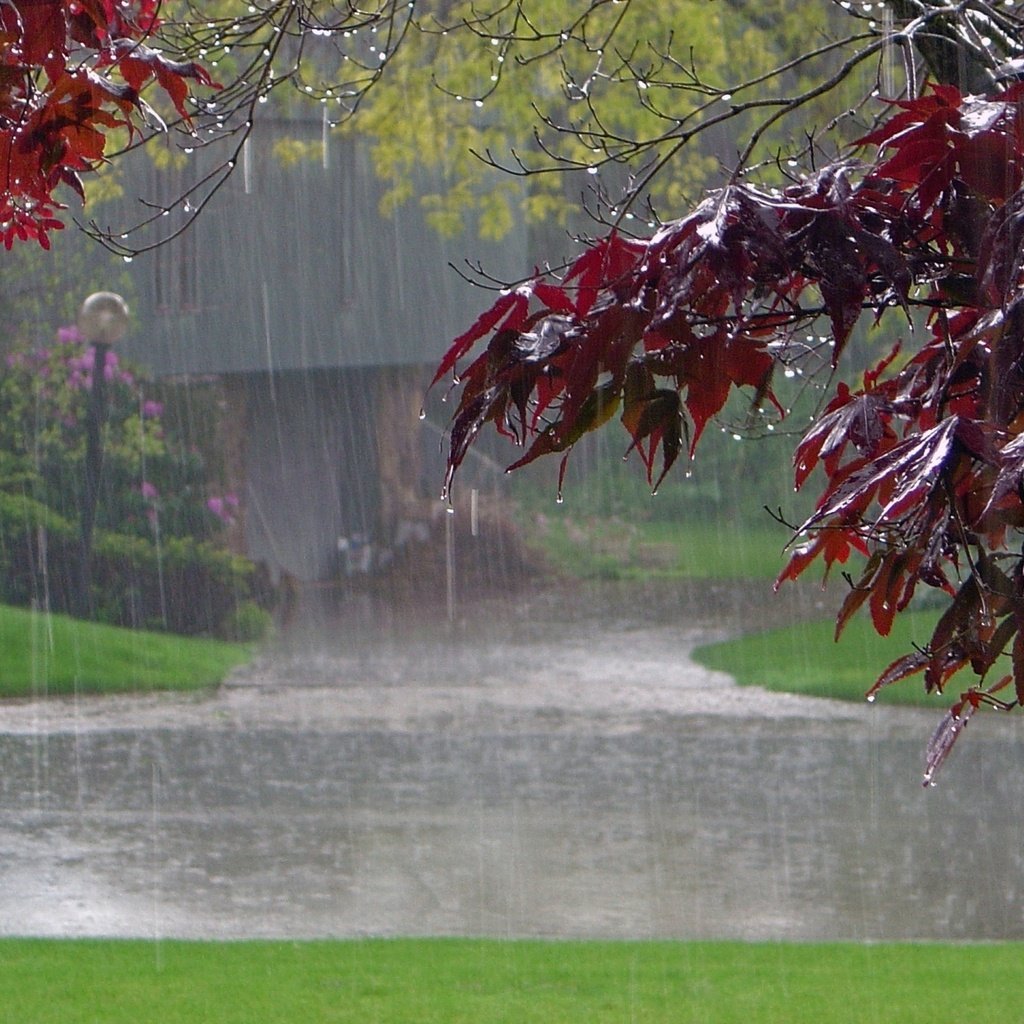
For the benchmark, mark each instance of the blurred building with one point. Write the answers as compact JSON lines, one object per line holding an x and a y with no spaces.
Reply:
{"x":322,"y":321}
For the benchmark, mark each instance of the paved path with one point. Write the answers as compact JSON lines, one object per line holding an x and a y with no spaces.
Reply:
{"x":616,"y":660}
{"x":560,"y":768}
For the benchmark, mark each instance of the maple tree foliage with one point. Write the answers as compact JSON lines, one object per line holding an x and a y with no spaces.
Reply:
{"x":917,"y":228}
{"x":72,"y":74}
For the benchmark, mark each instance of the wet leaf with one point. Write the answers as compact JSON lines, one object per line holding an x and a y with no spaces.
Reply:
{"x":833,"y":544}
{"x":139,"y":63}
{"x":901,"y":668}
{"x":658,"y":420}
{"x":510,"y":307}
{"x":861,"y":420}
{"x":899,"y":479}
{"x":946,"y":733}
{"x":921,"y":460}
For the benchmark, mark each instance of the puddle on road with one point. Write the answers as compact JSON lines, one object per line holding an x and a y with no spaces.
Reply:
{"x":766,"y":830}
{"x":582,"y":816}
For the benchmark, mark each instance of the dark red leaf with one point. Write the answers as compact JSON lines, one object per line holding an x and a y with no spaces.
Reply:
{"x":603,"y":265}
{"x":657,"y":419}
{"x":886,"y":589}
{"x":555,"y":298}
{"x":139,"y":63}
{"x":947,"y":732}
{"x":40,"y":27}
{"x":833,"y":544}
{"x":909,"y":472}
{"x":466,"y":425}
{"x":860,"y":420}
{"x":901,"y":668}
{"x":511,"y":306}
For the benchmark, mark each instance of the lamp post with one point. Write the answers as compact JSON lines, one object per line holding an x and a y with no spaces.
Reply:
{"x":102,"y":321}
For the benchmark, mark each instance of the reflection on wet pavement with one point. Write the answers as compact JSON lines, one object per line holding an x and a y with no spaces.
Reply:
{"x":578,"y":817}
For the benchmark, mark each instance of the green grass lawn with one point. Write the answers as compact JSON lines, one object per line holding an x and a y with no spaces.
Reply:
{"x":44,"y":655}
{"x":620,"y":550}
{"x":805,"y":659}
{"x":464,"y":981}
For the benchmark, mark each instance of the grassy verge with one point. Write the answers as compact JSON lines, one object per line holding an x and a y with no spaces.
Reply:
{"x":805,"y":659}
{"x":52,"y":654}
{"x":461,"y":981}
{"x":621,"y":550}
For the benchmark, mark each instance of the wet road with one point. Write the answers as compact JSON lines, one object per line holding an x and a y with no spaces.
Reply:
{"x":511,"y":778}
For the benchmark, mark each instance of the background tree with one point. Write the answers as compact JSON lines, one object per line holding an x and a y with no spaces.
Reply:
{"x":560,"y":107}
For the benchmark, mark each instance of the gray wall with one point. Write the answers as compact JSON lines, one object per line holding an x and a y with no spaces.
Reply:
{"x":293,"y":267}
{"x":311,"y":469}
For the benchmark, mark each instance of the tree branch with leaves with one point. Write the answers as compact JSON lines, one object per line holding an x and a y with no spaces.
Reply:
{"x":72,"y":76}
{"x":449,"y":85}
{"x":917,"y":229}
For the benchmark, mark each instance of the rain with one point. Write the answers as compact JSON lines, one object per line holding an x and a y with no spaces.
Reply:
{"x":485,"y":710}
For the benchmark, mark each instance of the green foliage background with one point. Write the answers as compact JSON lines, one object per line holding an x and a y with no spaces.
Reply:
{"x":158,"y":557}
{"x":453,"y":96}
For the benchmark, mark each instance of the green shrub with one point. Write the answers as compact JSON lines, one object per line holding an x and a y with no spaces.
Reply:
{"x":157,"y":549}
{"x":246,"y":622}
{"x":183,"y":585}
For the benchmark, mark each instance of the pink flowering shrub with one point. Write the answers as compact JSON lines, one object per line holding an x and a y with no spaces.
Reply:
{"x":151,"y":480}
{"x":153,"y":491}
{"x":224,"y":508}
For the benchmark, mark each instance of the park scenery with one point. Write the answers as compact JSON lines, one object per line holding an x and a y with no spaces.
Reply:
{"x":511,"y":511}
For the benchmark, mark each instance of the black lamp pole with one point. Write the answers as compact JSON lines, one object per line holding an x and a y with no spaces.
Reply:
{"x":103,"y":321}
